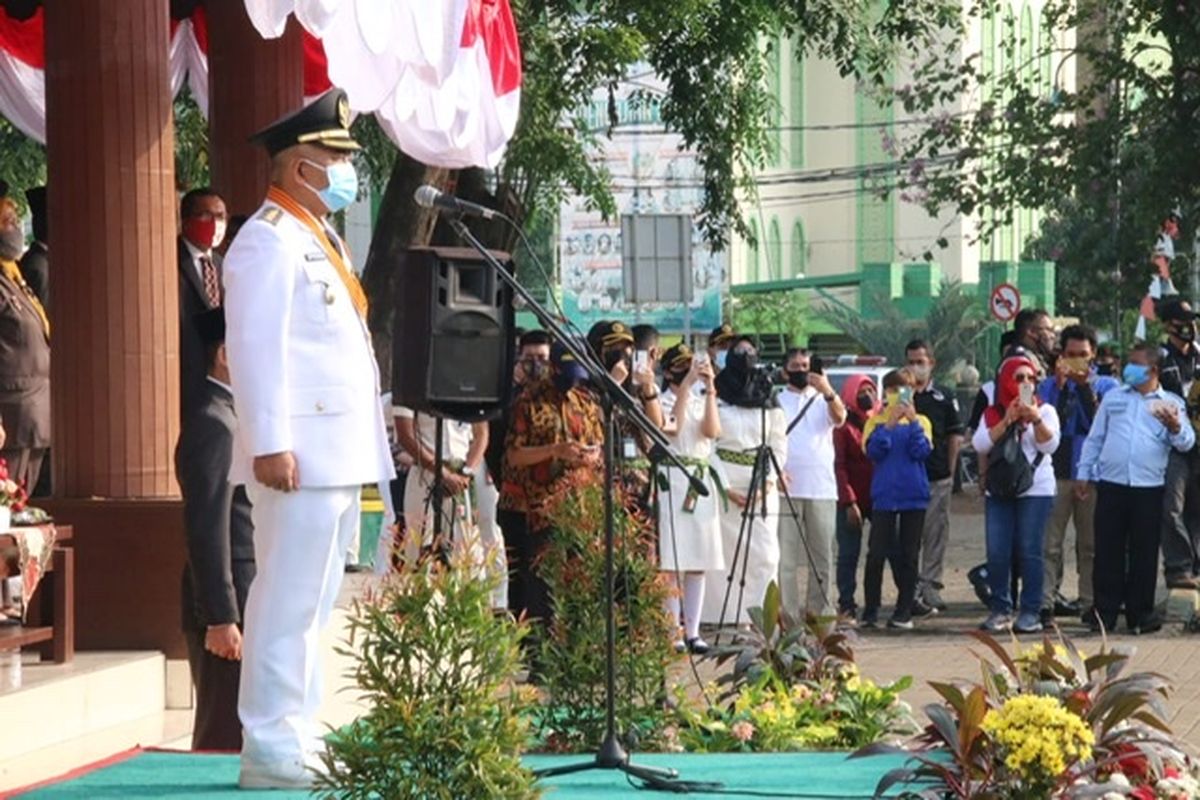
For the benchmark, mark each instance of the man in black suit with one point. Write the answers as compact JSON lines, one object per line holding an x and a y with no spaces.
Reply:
{"x":35,"y":264}
{"x":220,"y":547}
{"x":202,"y":220}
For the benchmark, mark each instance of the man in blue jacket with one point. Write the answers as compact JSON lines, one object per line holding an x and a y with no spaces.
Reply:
{"x":1075,"y":390}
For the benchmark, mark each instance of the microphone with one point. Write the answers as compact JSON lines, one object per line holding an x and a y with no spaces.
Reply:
{"x":431,"y":197}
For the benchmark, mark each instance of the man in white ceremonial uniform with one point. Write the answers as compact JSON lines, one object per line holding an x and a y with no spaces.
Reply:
{"x":311,"y":429}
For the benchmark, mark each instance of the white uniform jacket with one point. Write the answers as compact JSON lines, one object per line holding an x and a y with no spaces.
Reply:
{"x":303,"y":372}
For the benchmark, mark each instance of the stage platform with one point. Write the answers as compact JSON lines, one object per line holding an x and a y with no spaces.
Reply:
{"x":199,"y":776}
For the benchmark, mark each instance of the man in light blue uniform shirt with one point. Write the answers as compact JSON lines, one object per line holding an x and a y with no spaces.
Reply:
{"x":1125,"y":456}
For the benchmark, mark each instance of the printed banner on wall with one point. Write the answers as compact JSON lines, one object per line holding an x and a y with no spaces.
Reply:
{"x":652,"y":174}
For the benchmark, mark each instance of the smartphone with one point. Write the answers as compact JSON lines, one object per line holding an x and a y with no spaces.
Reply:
{"x":1027,"y":393}
{"x":816,"y":365}
{"x":641,"y":359}
{"x":700,"y":359}
{"x":1076,"y":365}
{"x":906,"y":395}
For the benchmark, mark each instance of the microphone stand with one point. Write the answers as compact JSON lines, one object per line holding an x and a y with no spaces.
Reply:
{"x":611,"y":755}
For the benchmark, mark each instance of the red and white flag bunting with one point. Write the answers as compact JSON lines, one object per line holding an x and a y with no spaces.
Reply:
{"x":443,"y":77}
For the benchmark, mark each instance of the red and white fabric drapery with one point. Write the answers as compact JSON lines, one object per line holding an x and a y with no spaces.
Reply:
{"x":443,"y":77}
{"x":23,"y":64}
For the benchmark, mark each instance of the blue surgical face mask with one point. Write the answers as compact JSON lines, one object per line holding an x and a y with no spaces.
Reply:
{"x":719,"y":358}
{"x":342,"y":188}
{"x":1135,"y":374}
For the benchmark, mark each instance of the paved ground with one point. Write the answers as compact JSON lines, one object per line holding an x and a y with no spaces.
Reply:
{"x":939,"y":649}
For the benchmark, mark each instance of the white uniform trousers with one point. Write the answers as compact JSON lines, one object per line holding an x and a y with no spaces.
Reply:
{"x":300,"y":541}
{"x":490,"y":535}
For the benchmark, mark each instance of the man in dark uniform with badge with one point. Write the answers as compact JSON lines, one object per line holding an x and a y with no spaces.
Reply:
{"x":310,"y":428}
{"x":1178,"y":369}
{"x":942,"y":410}
{"x":220,"y":547}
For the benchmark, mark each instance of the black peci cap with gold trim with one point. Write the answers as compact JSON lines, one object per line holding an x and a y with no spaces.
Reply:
{"x":324,"y":122}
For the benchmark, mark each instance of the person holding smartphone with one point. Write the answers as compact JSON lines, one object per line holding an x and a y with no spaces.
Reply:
{"x":898,"y":441}
{"x":806,"y":537}
{"x":556,"y":433}
{"x":1018,"y":524}
{"x":689,"y":525}
{"x":1075,"y":390}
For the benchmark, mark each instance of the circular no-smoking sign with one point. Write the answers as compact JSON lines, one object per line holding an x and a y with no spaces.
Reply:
{"x":1005,"y":302}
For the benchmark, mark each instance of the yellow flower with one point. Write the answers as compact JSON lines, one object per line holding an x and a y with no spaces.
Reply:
{"x":1038,"y":736}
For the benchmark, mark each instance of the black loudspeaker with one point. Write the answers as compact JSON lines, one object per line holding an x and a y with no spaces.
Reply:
{"x":452,"y":347}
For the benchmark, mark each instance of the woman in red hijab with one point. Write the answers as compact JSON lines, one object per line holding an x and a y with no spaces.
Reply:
{"x":853,"y":471}
{"x":1018,"y":524}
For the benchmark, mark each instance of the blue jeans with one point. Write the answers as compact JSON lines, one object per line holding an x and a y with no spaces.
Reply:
{"x":849,"y":548}
{"x":1016,"y":526}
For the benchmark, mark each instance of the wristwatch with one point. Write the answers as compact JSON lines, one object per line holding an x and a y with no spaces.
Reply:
{"x":829,"y":398}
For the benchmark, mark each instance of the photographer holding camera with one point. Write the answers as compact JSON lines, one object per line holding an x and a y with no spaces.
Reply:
{"x":750,"y":420}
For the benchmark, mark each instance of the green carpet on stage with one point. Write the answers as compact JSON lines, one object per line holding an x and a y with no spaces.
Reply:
{"x":161,"y":774}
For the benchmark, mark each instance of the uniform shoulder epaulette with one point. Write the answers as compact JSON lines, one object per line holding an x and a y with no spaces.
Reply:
{"x":271,"y":215}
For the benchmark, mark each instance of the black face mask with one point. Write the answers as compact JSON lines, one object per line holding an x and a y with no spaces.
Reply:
{"x":798,"y":378}
{"x":676,"y":378}
{"x":612,"y":358}
{"x":740,"y":361}
{"x":1104,"y":369}
{"x":865,"y":402}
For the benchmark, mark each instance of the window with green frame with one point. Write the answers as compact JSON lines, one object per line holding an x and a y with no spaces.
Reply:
{"x":796,"y":106}
{"x":753,"y":267}
{"x":774,"y":251}
{"x":799,"y":261}
{"x":775,"y":85}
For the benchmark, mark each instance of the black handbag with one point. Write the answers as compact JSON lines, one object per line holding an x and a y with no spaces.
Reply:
{"x":1009,"y":473}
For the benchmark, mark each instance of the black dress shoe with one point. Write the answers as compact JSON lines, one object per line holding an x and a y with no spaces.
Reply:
{"x":1183,"y":582}
{"x":1064,"y":607}
{"x":920,"y":609}
{"x":1146,"y":626}
{"x":1093,"y":621}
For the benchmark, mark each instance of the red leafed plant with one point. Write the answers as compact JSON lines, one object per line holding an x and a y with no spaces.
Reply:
{"x":12,"y":494}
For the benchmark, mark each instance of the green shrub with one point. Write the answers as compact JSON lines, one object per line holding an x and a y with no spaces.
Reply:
{"x":791,"y":687}
{"x":572,"y":655}
{"x":435,"y":668}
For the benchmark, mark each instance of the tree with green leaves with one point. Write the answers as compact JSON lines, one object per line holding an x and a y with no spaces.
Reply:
{"x":1107,"y":155}
{"x":953,"y":325}
{"x":711,"y":57}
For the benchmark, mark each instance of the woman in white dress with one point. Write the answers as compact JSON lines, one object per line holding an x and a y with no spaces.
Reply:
{"x":743,"y":393}
{"x":689,"y":525}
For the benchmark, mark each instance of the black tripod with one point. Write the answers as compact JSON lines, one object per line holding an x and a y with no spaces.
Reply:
{"x":611,"y":754}
{"x":765,"y":466}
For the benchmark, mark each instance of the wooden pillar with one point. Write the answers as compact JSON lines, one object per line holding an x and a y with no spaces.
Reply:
{"x":252,"y":82}
{"x":115,"y":339}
